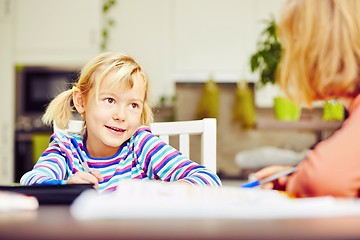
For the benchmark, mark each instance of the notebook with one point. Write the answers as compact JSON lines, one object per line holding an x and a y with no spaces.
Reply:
{"x":154,"y":199}
{"x":50,"y":194}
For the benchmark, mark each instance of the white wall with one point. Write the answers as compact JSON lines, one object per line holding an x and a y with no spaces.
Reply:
{"x":171,"y":39}
{"x":6,"y":92}
{"x":144,"y":30}
{"x":56,"y":32}
{"x":189,"y":39}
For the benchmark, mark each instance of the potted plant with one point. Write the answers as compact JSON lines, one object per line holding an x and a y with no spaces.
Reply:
{"x":265,"y":61}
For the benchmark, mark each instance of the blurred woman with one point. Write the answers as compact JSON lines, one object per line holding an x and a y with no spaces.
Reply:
{"x":321,"y":61}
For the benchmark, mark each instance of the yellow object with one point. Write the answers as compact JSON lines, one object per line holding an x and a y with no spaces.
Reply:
{"x":244,"y":106}
{"x":286,"y":110}
{"x":208,"y":106}
{"x":333,"y":111}
{"x":19,"y":67}
{"x":40,"y":141}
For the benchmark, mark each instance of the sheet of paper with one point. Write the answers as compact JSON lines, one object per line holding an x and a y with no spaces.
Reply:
{"x":11,"y":201}
{"x":154,"y":199}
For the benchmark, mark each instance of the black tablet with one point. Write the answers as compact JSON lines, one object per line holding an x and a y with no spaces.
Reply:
{"x":51,"y":194}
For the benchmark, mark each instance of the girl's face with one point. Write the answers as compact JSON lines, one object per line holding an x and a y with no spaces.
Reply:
{"x":114,"y":118}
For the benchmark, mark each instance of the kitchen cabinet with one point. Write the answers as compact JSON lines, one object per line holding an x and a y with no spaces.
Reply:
{"x":53,"y":32}
{"x":6,"y":92}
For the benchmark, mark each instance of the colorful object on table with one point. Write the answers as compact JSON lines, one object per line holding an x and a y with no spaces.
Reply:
{"x":333,"y":110}
{"x":208,"y":106}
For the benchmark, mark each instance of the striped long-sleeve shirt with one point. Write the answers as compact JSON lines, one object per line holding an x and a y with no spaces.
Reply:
{"x":143,"y":156}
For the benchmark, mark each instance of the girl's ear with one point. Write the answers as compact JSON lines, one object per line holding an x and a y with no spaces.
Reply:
{"x":79,"y":100}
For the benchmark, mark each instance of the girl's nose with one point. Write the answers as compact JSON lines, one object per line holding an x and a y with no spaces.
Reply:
{"x":119,"y":114}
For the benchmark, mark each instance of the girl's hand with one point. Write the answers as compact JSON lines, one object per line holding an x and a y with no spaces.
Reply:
{"x":84,"y":177}
{"x":278,"y":184}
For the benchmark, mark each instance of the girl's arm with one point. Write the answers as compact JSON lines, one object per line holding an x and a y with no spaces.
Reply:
{"x":161,"y":161}
{"x":52,"y":166}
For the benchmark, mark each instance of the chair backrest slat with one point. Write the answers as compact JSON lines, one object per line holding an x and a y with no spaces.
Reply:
{"x":184,"y":144}
{"x":165,"y":138}
{"x":183,"y":129}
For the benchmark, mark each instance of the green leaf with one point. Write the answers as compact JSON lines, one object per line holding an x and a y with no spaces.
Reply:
{"x":254,"y":62}
{"x":108,"y":22}
{"x":105,"y":33}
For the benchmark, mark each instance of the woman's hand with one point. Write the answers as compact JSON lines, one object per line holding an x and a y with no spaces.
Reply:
{"x":84,"y":177}
{"x":278,"y":184}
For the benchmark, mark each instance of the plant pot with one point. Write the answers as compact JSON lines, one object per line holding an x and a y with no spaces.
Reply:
{"x":286,"y":110}
{"x":333,"y":111}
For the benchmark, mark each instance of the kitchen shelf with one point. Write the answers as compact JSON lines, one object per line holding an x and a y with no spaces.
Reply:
{"x":310,"y":120}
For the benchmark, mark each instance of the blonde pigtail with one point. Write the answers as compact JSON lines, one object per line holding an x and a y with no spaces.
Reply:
{"x":59,"y":110}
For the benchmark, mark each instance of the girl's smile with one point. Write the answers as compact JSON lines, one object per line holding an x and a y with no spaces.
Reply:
{"x":116,"y":130}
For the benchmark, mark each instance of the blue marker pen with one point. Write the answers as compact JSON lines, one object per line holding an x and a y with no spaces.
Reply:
{"x":270,"y":178}
{"x":82,"y":160}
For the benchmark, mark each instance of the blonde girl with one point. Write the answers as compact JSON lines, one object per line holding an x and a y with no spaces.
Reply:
{"x":111,"y":96}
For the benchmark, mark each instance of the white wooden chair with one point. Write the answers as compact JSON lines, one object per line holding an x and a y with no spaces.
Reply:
{"x":75,"y":127}
{"x":183,"y":129}
{"x":206,"y":128}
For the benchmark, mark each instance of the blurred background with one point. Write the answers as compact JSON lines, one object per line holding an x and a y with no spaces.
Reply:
{"x":181,"y":44}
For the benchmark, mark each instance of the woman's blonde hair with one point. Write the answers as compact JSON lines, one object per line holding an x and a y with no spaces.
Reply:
{"x":122,"y":69}
{"x":321,"y":49}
